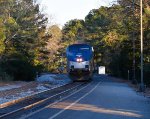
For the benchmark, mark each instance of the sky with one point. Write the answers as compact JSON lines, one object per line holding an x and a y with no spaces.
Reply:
{"x":61,"y":11}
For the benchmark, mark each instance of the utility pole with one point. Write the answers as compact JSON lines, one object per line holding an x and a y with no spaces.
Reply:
{"x":133,"y":40}
{"x":142,"y":87}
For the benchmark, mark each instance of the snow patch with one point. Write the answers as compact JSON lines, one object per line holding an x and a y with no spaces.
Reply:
{"x":59,"y":79}
{"x":3,"y":100}
{"x":41,"y":88}
{"x":24,"y":94}
{"x":46,"y":77}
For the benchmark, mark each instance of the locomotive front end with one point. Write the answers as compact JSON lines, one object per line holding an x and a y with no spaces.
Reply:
{"x":80,"y":61}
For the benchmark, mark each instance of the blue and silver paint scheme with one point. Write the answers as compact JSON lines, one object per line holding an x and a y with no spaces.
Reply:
{"x":80,"y":65}
{"x":80,"y":61}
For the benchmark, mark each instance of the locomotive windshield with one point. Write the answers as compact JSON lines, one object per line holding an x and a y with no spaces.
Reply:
{"x":79,"y":48}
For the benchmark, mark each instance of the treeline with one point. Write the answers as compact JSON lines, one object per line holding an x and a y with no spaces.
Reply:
{"x":27,"y":45}
{"x":113,"y":31}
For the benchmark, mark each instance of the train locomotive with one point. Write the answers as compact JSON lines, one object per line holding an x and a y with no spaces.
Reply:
{"x":80,"y":64}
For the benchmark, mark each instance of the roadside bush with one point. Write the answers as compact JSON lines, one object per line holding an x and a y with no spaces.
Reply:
{"x":4,"y":76}
{"x":147,"y":74}
{"x":19,"y":69}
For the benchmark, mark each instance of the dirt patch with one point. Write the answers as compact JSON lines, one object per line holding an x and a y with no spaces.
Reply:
{"x":147,"y":92}
{"x":23,"y":87}
{"x":6,"y":83}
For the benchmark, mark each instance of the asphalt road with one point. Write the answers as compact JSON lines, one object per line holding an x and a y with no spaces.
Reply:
{"x":101,"y":99}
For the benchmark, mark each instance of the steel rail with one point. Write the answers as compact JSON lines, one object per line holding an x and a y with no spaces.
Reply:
{"x":6,"y":104}
{"x":39,"y":103}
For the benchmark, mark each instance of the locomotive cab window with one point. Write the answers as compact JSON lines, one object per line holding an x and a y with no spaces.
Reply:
{"x":78,"y":48}
{"x":86,"y":49}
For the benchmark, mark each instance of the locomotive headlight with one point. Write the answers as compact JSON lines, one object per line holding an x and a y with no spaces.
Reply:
{"x":79,"y":59}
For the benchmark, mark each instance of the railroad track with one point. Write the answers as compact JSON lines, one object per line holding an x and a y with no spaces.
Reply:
{"x":34,"y":102}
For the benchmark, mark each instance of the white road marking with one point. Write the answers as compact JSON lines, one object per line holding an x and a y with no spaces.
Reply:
{"x":31,"y":114}
{"x":57,"y":114}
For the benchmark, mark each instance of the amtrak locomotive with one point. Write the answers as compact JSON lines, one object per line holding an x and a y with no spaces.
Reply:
{"x":80,"y":64}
